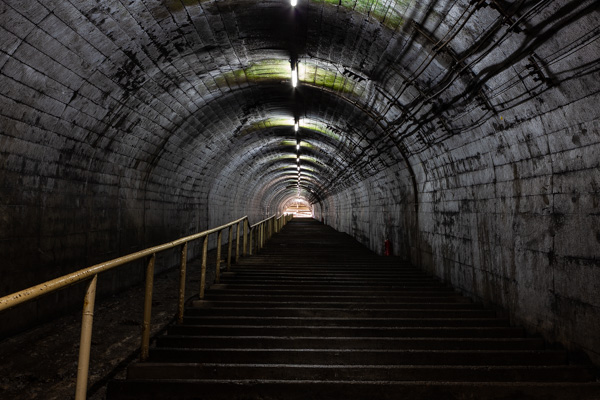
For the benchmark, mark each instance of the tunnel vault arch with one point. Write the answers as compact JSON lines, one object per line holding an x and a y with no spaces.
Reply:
{"x":466,"y":132}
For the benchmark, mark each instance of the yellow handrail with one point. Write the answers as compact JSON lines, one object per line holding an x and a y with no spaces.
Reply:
{"x":265,"y":230}
{"x":266,"y":227}
{"x":86,"y":273}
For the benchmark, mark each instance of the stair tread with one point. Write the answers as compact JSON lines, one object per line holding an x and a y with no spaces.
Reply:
{"x":313,"y":389}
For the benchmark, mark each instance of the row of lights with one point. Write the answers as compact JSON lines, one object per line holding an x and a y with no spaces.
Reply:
{"x":296,"y":124}
{"x":296,"y":127}
{"x":294,"y":65}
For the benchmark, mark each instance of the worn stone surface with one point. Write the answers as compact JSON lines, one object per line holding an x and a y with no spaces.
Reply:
{"x":465,"y":132}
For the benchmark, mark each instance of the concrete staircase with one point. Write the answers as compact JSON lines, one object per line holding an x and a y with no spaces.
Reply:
{"x":317,"y":316}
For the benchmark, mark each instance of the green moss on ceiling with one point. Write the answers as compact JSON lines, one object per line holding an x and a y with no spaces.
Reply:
{"x":312,"y":176}
{"x":306,"y":158}
{"x":319,"y":127}
{"x":283,"y":121}
{"x":321,"y":77}
{"x":278,"y":70}
{"x":388,"y":12}
{"x":303,"y":144}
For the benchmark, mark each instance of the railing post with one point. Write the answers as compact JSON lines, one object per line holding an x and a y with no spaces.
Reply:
{"x":237,"y":242}
{"x":262,"y":235}
{"x":147,"y":308}
{"x":182,"y":272}
{"x":85,"y":342}
{"x":245,"y":238}
{"x":251,"y":243}
{"x":218,"y":267}
{"x":203,"y":268}
{"x":229,"y":251}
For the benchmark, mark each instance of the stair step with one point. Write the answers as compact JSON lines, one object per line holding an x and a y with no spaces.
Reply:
{"x":361,"y":311}
{"x":221,"y":288}
{"x":366,"y":357}
{"x":323,"y":271}
{"x":333,"y":342}
{"x":334,"y":304}
{"x":340,"y":331}
{"x":332,"y":286}
{"x":339,"y":277}
{"x":225,"y":295}
{"x":351,"y":322}
{"x":289,"y":283}
{"x":450,"y":373}
{"x":182,"y":389}
{"x":241,"y":272}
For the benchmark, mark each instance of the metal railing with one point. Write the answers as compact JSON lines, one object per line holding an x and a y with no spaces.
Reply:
{"x":264,"y":231}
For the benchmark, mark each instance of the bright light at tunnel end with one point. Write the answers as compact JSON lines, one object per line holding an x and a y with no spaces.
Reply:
{"x":294,"y":2}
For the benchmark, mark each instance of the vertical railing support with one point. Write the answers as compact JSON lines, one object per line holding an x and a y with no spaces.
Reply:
{"x":245,"y":253}
{"x":262,"y":235}
{"x":182,"y":273}
{"x":237,"y":242}
{"x":203,"y":268}
{"x":85,"y":343}
{"x":147,"y":308}
{"x":218,"y":266}
{"x":251,"y":243}
{"x":229,"y":251}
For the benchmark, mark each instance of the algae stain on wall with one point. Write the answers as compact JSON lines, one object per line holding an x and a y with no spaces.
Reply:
{"x":388,"y":12}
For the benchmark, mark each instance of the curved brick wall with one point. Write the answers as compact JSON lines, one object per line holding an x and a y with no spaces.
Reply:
{"x":466,"y":133}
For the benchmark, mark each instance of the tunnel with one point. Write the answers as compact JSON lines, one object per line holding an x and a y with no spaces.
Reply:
{"x":463,"y":133}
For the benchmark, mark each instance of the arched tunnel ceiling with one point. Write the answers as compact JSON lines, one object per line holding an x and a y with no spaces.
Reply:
{"x":193,"y":92}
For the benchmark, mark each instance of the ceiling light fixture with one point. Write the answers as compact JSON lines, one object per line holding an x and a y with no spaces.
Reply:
{"x":297,"y":147}
{"x":294,"y":79}
{"x":294,"y":2}
{"x":296,"y":125}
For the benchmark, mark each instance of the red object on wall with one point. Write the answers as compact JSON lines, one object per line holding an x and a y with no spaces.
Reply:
{"x":388,"y":248}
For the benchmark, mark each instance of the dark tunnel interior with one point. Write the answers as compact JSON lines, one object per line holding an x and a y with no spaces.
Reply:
{"x":465,"y":132}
